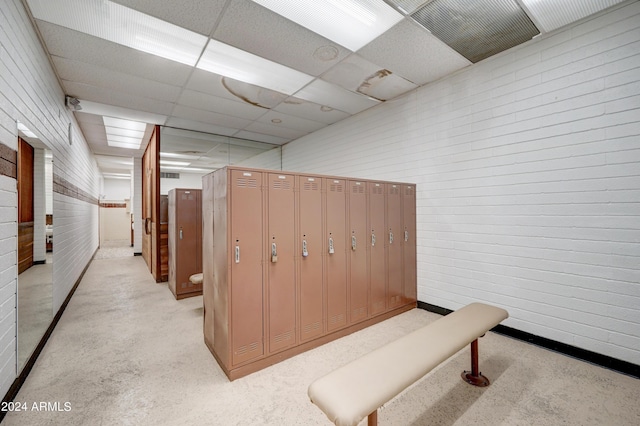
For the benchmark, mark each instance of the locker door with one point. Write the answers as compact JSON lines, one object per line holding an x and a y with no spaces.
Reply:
{"x":393,"y":240}
{"x":246,"y":266}
{"x":409,"y":243}
{"x":311,"y":254}
{"x":336,"y":249}
{"x":376,"y":242}
{"x":187,"y":239}
{"x":357,"y":246}
{"x":281,"y":250}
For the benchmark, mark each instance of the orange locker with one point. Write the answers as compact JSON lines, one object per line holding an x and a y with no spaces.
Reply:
{"x":394,"y":246}
{"x":357,"y":242}
{"x":281,"y":250}
{"x":409,"y":266}
{"x":311,"y":255}
{"x":336,"y":252}
{"x":376,"y":240}
{"x":184,"y":241}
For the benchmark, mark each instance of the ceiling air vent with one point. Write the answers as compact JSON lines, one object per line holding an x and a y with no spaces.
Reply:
{"x":168,"y":175}
{"x":477,"y":29}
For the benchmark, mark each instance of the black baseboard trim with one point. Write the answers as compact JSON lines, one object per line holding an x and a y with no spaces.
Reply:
{"x":19,"y":381}
{"x":39,"y":262}
{"x":137,"y":253}
{"x":618,"y":365}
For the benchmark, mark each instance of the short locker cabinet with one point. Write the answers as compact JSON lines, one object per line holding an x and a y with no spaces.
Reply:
{"x":184,"y":241}
{"x":289,"y":263}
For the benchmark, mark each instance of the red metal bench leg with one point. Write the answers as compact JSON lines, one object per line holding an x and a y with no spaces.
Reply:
{"x":474,"y":377}
{"x":372,"y":420}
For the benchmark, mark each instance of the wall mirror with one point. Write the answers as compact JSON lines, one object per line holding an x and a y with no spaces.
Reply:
{"x":35,"y":241}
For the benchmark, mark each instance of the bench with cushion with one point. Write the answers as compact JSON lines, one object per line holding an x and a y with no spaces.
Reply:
{"x":356,"y":390}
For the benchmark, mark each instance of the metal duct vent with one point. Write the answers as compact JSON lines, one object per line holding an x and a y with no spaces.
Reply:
{"x":477,"y":29}
{"x":169,"y":175}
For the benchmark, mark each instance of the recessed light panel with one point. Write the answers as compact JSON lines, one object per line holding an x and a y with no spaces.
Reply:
{"x":119,"y":24}
{"x":350,"y":23}
{"x":124,"y":133}
{"x":408,"y":6}
{"x":229,"y":61}
{"x":477,"y":29}
{"x":552,"y":14}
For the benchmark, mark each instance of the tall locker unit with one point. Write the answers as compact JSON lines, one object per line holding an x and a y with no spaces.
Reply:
{"x":376,"y":240}
{"x":336,"y":252}
{"x":357,"y":241}
{"x":311,"y":254}
{"x":288,"y":266}
{"x":234,"y":290}
{"x":184,"y":241}
{"x":409,"y":266}
{"x":393,"y":242}
{"x":281,"y":248}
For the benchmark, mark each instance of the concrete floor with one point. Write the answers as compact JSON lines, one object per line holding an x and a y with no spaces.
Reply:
{"x":125,"y":352}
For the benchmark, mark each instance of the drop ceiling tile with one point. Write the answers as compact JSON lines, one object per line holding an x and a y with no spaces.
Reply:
{"x":210,"y":117}
{"x":251,"y":27}
{"x":121,"y":99}
{"x":183,"y":144}
{"x":359,"y":75}
{"x":81,"y":72}
{"x":194,"y":15}
{"x":325,"y":93}
{"x":290,"y":122}
{"x":81,"y":47}
{"x":311,"y":111}
{"x":276,"y":140}
{"x":199,"y":100}
{"x":274,"y":130}
{"x":422,"y":60}
{"x":183,"y":123}
{"x":554,"y":14}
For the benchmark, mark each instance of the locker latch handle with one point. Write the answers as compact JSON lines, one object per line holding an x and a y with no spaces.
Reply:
{"x":237,"y":254}
{"x":274,"y":253}
{"x":353,"y":242}
{"x":331,"y":249}
{"x":180,"y":233}
{"x":373,"y":239}
{"x":390,"y":237}
{"x":305,"y":253}
{"x":406,"y":235}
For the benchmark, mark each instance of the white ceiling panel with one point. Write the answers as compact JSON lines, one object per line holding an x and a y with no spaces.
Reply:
{"x":553,"y":14}
{"x":199,"y":100}
{"x":81,"y":47}
{"x":260,"y":137}
{"x":256,"y":29}
{"x":359,"y":75}
{"x":195,"y":15}
{"x":274,"y":130}
{"x":182,"y":123}
{"x":423,"y":60}
{"x":290,"y":122}
{"x":325,"y":93}
{"x":311,"y":111}
{"x":93,"y":75}
{"x":121,"y":99}
{"x":210,"y":117}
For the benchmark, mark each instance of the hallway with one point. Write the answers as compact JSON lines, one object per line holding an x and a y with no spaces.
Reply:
{"x":125,"y":352}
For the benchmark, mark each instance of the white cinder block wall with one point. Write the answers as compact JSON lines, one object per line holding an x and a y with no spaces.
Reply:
{"x":30,"y":93}
{"x":528,"y":174}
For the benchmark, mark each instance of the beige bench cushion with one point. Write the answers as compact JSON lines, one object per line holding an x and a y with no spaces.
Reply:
{"x":353,"y":391}
{"x":196,"y":278}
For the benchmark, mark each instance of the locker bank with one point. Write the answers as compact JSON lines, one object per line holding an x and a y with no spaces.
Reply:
{"x":408,"y":160}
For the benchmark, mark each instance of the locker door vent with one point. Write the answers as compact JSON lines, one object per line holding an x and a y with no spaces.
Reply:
{"x":310,"y":186}
{"x":311,"y":327}
{"x":359,"y":312}
{"x":358,"y":189}
{"x":336,"y":319}
{"x":283,"y":337}
{"x":246,"y":183}
{"x":408,"y":191}
{"x":335,"y":188}
{"x":395,"y":190}
{"x":377,"y":190}
{"x":281,"y":184}
{"x":247,"y":348}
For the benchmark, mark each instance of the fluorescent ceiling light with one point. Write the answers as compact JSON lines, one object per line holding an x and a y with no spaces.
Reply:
{"x":96,"y":108}
{"x":174,"y":163}
{"x":117,"y":175}
{"x":552,"y":14}
{"x":122,"y":25}
{"x":25,"y":130}
{"x":235,"y":63}
{"x":351,"y":23}
{"x":118,"y":131}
